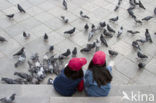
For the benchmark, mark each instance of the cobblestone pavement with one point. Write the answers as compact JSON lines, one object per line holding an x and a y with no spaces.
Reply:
{"x":43,"y":16}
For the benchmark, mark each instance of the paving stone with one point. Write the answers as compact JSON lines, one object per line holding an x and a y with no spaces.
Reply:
{"x":128,"y":68}
{"x":40,"y":30}
{"x":85,"y":99}
{"x":46,"y":6}
{"x":122,"y":48}
{"x":151,"y":66}
{"x":145,"y":78}
{"x":34,"y":11}
{"x":5,"y":4}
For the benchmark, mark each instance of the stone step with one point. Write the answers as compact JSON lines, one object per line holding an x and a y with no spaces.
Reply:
{"x":111,"y":99}
{"x":49,"y":91}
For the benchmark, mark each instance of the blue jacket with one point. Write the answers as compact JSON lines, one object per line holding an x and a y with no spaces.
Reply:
{"x":91,"y":87}
{"x":64,"y":85}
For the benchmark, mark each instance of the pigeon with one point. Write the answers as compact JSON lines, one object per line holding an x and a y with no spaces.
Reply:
{"x":83,"y":16}
{"x":24,"y":76}
{"x":141,"y":65}
{"x":131,"y":13}
{"x":70,"y":31}
{"x":2,"y":39}
{"x":51,"y":48}
{"x":25,"y":35}
{"x":136,"y":45}
{"x":110,"y":29}
{"x":103,"y":40}
{"x":114,"y":19}
{"x":86,"y":27}
{"x":65,"y":4}
{"x":90,"y":35}
{"x":107,"y":33}
{"x":45,"y":37}
{"x":112,"y":53}
{"x":132,"y":2}
{"x":155,"y":11}
{"x":64,"y":19}
{"x":141,"y":40}
{"x":10,"y":16}
{"x":21,"y":60}
{"x":141,"y":5}
{"x":102,"y":24}
{"x":138,"y":21}
{"x":50,"y":81}
{"x":147,"y":18}
{"x":67,"y":53}
{"x":148,"y":36}
{"x":116,"y":8}
{"x":8,"y":99}
{"x":86,"y":49}
{"x":20,"y":52}
{"x":141,"y":55}
{"x":8,"y":81}
{"x":93,"y":45}
{"x":133,"y":32}
{"x":74,"y":52}
{"x":21,"y":9}
{"x":120,"y":32}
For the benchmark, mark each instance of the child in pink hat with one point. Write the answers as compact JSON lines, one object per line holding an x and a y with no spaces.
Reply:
{"x":71,"y":77}
{"x":98,"y":76}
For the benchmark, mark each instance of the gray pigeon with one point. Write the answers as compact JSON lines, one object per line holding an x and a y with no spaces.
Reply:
{"x":20,"y":52}
{"x":24,"y":76}
{"x":147,"y":18}
{"x":141,"y":65}
{"x":148,"y":36}
{"x":65,"y":4}
{"x":20,"y":8}
{"x":21,"y":60}
{"x":110,"y":29}
{"x":141,"y":55}
{"x":2,"y":39}
{"x":112,"y":53}
{"x":67,"y":53}
{"x":25,"y":35}
{"x":86,"y":27}
{"x":103,"y":40}
{"x":141,"y":5}
{"x":70,"y":31}
{"x":155,"y":11}
{"x":64,"y":19}
{"x":114,"y":19}
{"x":136,"y":45}
{"x":74,"y":52}
{"x":8,"y":99}
{"x":83,"y":16}
{"x":133,"y":32}
{"x":10,"y":16}
{"x":107,"y":34}
{"x":120,"y":32}
{"x":50,"y":81}
{"x":8,"y":81}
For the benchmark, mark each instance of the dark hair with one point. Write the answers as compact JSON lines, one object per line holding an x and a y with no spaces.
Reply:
{"x":101,"y":74}
{"x":73,"y":74}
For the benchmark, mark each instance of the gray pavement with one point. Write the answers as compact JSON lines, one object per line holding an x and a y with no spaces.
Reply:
{"x":43,"y":16}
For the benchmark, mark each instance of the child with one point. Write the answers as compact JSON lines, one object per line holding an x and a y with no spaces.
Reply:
{"x":98,"y":77}
{"x":71,"y":77}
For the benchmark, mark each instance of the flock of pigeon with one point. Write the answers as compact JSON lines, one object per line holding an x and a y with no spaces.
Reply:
{"x":39,"y":70}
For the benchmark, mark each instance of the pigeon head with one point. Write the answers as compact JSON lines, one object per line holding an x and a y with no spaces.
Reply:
{"x":81,"y":12}
{"x":13,"y":96}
